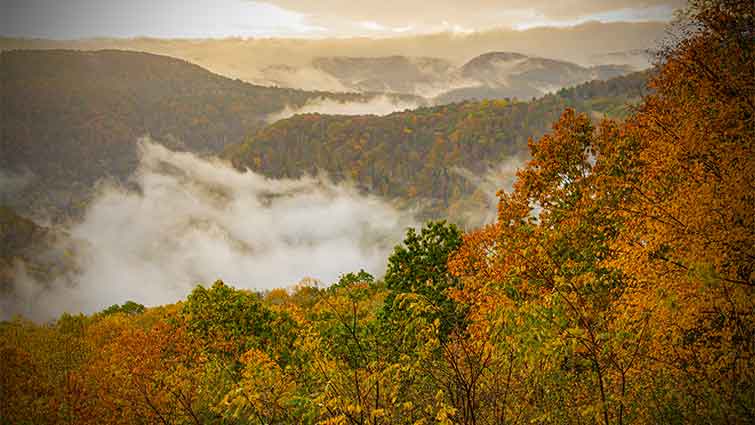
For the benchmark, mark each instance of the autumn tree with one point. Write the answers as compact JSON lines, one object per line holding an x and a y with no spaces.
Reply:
{"x":689,"y":233}
{"x":630,"y":246}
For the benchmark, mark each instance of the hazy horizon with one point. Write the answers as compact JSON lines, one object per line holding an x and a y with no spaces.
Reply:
{"x":201,"y":19}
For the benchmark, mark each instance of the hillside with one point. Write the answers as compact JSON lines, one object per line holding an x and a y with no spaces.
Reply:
{"x":511,"y":75}
{"x":17,"y":234}
{"x":74,"y":118}
{"x":43,"y":252}
{"x":616,"y":285}
{"x":71,"y":118}
{"x":424,"y":157}
{"x":612,"y":97}
{"x":389,"y":73}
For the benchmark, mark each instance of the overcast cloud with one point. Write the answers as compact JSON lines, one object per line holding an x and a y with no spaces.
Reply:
{"x":465,"y":16}
{"x":72,"y":19}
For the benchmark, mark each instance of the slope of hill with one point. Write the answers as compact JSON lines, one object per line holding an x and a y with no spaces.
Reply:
{"x":17,"y":234}
{"x":613,"y":97}
{"x":71,"y":118}
{"x":421,"y":76}
{"x":527,"y":77}
{"x":432,"y":158}
{"x":44,"y":253}
{"x":390,"y":73}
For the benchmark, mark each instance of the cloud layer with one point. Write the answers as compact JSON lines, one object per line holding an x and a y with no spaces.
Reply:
{"x":488,"y":184}
{"x":449,"y":15}
{"x":72,"y":19}
{"x":193,"y":220}
{"x":380,"y":105}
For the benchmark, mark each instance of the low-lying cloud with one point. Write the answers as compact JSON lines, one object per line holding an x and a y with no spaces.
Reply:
{"x":379,"y":105}
{"x":500,"y":177}
{"x":305,"y":78}
{"x":193,"y":220}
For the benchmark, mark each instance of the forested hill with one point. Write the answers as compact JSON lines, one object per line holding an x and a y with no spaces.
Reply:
{"x":73,"y":117}
{"x":425,"y":156}
{"x":611,"y":98}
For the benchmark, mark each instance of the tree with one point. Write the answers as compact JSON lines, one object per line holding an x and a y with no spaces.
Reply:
{"x":418,"y":268}
{"x":626,"y":251}
{"x":227,"y":320}
{"x":157,"y":375}
{"x":689,"y":224}
{"x":128,"y":308}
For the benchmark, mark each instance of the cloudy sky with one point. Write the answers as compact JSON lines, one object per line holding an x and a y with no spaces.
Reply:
{"x":72,"y":19}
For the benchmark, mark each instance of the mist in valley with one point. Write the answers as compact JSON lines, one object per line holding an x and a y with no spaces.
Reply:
{"x":497,"y":179}
{"x":380,"y":105}
{"x":591,"y":43}
{"x":189,"y":220}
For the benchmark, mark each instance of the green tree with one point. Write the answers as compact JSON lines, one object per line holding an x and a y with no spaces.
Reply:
{"x":351,"y":278}
{"x":418,"y":267}
{"x":129,"y":308}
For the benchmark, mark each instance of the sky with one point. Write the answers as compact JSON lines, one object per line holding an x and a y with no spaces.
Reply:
{"x":76,"y":19}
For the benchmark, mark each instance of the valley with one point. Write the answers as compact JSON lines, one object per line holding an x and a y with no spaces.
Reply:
{"x":236,"y":212}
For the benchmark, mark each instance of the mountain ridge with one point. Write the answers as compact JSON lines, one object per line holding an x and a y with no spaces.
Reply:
{"x":424,"y":157}
{"x":499,"y":74}
{"x":89,"y":108}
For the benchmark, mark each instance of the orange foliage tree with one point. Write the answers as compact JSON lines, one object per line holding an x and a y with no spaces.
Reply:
{"x":630,"y":246}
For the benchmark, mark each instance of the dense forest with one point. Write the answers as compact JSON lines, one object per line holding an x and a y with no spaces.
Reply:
{"x":420,"y":156}
{"x":71,"y":118}
{"x":616,"y":286}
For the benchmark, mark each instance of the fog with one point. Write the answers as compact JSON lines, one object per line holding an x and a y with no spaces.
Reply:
{"x":427,"y":86}
{"x":495,"y":179}
{"x":305,"y":78}
{"x":244,"y":58}
{"x":193,"y":220}
{"x":380,"y":105}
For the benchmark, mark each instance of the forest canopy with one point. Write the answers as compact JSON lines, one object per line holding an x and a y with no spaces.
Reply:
{"x":424,"y":158}
{"x":73,"y":118}
{"x":615,"y":286}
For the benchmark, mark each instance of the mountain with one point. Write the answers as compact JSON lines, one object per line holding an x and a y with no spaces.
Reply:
{"x":638,"y":58}
{"x":514,"y":75}
{"x":244,"y":58}
{"x":491,"y":75}
{"x":612,"y":98}
{"x":392,"y":74}
{"x":444,"y":160}
{"x":71,"y":118}
{"x":528,"y":77}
